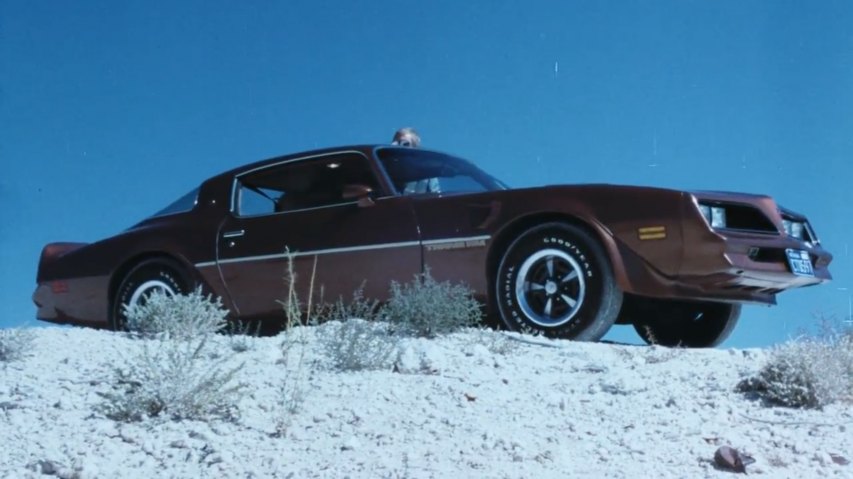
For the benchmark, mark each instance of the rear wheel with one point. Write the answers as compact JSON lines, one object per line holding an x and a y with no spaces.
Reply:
{"x":691,"y":324}
{"x":148,"y":276}
{"x":555,"y":279}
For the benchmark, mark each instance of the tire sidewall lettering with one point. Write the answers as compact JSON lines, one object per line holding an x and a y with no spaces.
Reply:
{"x":137,"y":278}
{"x":576,"y":247}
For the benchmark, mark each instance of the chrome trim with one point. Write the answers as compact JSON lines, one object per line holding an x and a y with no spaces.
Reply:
{"x":454,"y":240}
{"x":234,"y":234}
{"x":301,"y":210}
{"x":348,"y":249}
{"x":811,"y":233}
{"x":298,"y":254}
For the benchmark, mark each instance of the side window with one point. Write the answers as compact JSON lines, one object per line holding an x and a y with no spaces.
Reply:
{"x":414,"y":171}
{"x":302,"y":184}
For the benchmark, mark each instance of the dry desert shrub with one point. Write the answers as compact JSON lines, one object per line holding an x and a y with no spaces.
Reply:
{"x":173,"y":379}
{"x":292,"y":388}
{"x":368,"y":336}
{"x":357,"y":307}
{"x":359,"y":345}
{"x":807,"y":373}
{"x":177,"y":374}
{"x":427,"y":308}
{"x":15,"y":343}
{"x":180,"y":316}
{"x":241,"y":335}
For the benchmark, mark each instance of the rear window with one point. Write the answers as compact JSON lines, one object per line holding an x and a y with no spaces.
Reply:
{"x":181,"y":205}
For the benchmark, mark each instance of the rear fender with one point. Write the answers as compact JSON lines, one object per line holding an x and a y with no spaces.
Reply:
{"x":51,"y":253}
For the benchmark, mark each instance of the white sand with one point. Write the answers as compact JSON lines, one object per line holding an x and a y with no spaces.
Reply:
{"x":452,"y":409}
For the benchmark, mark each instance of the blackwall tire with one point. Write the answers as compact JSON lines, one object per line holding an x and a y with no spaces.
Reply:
{"x":699,"y":324}
{"x":556,"y":280}
{"x":145,"y":278}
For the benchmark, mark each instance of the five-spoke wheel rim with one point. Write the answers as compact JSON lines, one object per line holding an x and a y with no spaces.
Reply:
{"x":550,"y":287}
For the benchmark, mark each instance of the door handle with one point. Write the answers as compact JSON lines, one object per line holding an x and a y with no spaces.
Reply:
{"x":234,"y":234}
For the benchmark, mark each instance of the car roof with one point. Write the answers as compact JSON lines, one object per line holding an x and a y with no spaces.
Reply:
{"x":365,"y":149}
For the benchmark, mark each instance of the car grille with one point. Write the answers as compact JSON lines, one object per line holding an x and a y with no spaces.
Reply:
{"x":748,"y":218}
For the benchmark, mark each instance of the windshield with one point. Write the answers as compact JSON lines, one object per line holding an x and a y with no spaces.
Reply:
{"x":182,"y":204}
{"x":414,"y":171}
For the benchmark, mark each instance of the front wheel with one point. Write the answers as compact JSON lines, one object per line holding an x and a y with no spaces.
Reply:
{"x":138,"y":284}
{"x":555,"y":279}
{"x":691,"y":324}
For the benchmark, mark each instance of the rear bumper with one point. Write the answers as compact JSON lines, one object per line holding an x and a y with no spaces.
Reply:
{"x":77,"y":301}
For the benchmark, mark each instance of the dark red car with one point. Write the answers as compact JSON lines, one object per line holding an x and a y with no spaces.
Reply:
{"x":567,"y":261}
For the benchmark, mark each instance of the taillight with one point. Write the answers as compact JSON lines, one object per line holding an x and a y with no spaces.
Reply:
{"x":59,"y":287}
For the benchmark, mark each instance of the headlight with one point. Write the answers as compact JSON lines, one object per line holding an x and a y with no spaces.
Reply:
{"x":797,"y":230}
{"x":714,"y":215}
{"x":793,"y":228}
{"x":706,"y":212}
{"x":718,"y":217}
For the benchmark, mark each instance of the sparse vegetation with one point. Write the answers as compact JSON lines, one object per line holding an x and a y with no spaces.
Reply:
{"x":180,"y":316}
{"x":358,"y":307}
{"x":807,"y":373}
{"x":178,"y":374}
{"x":291,"y":390}
{"x":361,"y":345}
{"x":175,"y":379}
{"x":368,"y":336}
{"x":241,"y":335}
{"x":496,"y":342}
{"x":426,"y":308}
{"x":14,"y":343}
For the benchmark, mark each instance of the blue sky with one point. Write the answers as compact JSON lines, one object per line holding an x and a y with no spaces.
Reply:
{"x":110,"y":110}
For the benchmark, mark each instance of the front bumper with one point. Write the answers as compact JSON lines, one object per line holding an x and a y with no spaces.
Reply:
{"x":725,"y":266}
{"x":743,"y":267}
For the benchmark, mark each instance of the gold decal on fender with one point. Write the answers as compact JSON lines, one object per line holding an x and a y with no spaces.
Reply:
{"x":652,"y":233}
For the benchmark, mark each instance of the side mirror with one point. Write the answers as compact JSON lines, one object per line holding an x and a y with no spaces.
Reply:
{"x":360,"y":193}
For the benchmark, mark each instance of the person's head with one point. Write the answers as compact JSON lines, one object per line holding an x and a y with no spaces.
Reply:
{"x":407,"y":137}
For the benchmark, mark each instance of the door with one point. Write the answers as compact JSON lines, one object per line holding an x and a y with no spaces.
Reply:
{"x":456,"y":207}
{"x":303,"y":211}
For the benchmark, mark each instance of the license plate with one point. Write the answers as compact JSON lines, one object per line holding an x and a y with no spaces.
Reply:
{"x":800,"y":262}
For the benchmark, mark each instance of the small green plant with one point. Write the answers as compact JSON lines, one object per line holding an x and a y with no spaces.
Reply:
{"x":15,"y":343}
{"x":174,"y":379}
{"x":179,"y":316}
{"x":806,"y":373}
{"x":426,"y":308}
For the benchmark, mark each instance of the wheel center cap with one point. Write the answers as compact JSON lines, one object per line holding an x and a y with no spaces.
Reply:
{"x":550,"y":288}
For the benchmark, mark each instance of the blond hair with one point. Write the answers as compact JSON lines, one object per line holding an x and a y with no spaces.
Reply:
{"x":407,"y":137}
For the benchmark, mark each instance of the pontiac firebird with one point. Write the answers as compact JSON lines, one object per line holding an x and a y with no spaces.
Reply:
{"x":566,"y":261}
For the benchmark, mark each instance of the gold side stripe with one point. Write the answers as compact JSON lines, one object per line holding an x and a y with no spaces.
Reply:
{"x":653,"y":236}
{"x":652,"y":229}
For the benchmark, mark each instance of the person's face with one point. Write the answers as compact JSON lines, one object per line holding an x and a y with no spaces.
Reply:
{"x":407,"y":140}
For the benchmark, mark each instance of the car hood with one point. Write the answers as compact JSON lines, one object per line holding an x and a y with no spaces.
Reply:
{"x":729,"y":196}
